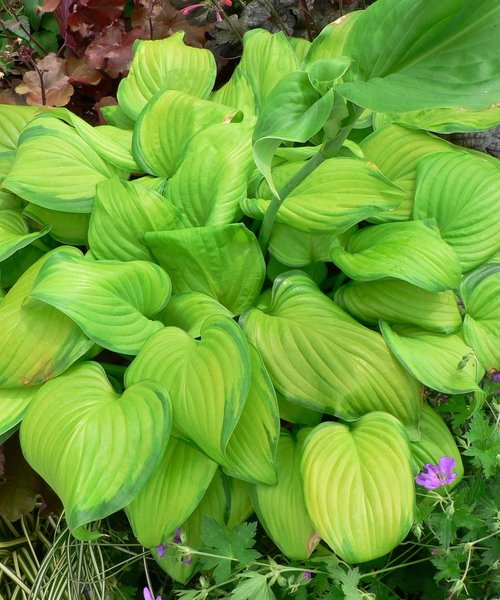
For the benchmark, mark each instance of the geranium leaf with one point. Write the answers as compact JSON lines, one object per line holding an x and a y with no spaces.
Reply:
{"x":281,"y":508}
{"x":165,"y":64}
{"x":412,"y":251}
{"x":208,"y":380}
{"x":358,"y":485}
{"x":94,"y":447}
{"x":442,"y":362}
{"x":15,"y":234}
{"x":171,"y":493}
{"x":320,"y":357}
{"x":111,"y":301}
{"x":222,"y":261}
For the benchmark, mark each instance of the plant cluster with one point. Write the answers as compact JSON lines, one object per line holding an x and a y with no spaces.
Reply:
{"x":229,"y":301}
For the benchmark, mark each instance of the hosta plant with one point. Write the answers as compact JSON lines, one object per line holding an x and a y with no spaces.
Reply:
{"x":293,"y":245}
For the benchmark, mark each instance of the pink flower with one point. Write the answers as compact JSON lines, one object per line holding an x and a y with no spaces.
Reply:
{"x":148,"y":595}
{"x":437,"y":475}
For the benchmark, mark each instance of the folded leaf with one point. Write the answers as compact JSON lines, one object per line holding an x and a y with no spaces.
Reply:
{"x":462,"y":192}
{"x":94,"y":447}
{"x":294,"y":413}
{"x":358,"y":485}
{"x":208,"y":380}
{"x":281,"y":508}
{"x":238,"y":93}
{"x":412,"y":251}
{"x":171,"y":493}
{"x":111,"y":301}
{"x":14,"y":403}
{"x":15,"y":234}
{"x":65,"y":227}
{"x":442,"y":362}
{"x":222,"y":261}
{"x":397,"y":301}
{"x":13,"y":119}
{"x":321,"y":358}
{"x":165,"y":64}
{"x":299,"y":248}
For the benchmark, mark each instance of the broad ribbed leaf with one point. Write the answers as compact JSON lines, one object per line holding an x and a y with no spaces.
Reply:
{"x":320,"y":357}
{"x":397,"y":301}
{"x":480,"y":294}
{"x":208,"y":380}
{"x":294,"y":413}
{"x":159,"y":144}
{"x":15,"y":233}
{"x":397,"y":151}
{"x":14,"y":403}
{"x":171,"y":493}
{"x":405,"y":55}
{"x":462,"y":192}
{"x":358,"y":485}
{"x":299,"y":248}
{"x":55,"y":168}
{"x":122,"y":213}
{"x":13,"y":267}
{"x":360,"y":192}
{"x":281,"y":508}
{"x":37,"y":342}
{"x":222,"y":261}
{"x":442,"y":362}
{"x":251,"y":450}
{"x":67,"y":228}
{"x":13,"y":119}
{"x":412,"y":251}
{"x":266,"y":59}
{"x":212,"y":178}
{"x":165,"y":64}
{"x":111,"y":301}
{"x":95,"y":447}
{"x":189,"y":311}
{"x":437,"y":441}
{"x":238,"y":93}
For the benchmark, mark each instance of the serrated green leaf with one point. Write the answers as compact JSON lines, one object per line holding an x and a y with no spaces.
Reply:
{"x":440,"y":361}
{"x":412,"y":251}
{"x":94,"y":447}
{"x":208,"y":380}
{"x":165,"y":64}
{"x":15,"y":233}
{"x":222,"y":261}
{"x":112,"y":301}
{"x":358,"y":485}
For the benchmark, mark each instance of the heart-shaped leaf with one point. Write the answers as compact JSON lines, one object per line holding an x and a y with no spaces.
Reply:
{"x":412,"y":251}
{"x":358,"y":485}
{"x":112,"y":301}
{"x":165,"y":64}
{"x":95,"y":448}
{"x":208,"y":380}
{"x":442,"y":362}
{"x":15,"y":234}
{"x":320,"y":357}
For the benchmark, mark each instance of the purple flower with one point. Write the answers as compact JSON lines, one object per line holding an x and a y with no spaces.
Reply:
{"x":148,"y":595}
{"x":437,"y":475}
{"x":160,"y":550}
{"x":178,"y":536}
{"x":307,"y":575}
{"x":495,"y":376}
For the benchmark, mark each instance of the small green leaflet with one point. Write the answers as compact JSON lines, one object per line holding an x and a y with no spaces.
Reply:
{"x":254,"y":586}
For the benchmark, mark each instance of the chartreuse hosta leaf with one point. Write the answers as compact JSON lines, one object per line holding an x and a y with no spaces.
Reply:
{"x":222,"y":261}
{"x":65,"y":227}
{"x":51,"y":152}
{"x":320,"y":357}
{"x":251,"y":450}
{"x":397,"y":301}
{"x":111,"y":301}
{"x":442,"y":362}
{"x":95,"y":447}
{"x":397,"y":151}
{"x":238,"y":93}
{"x":37,"y":342}
{"x":171,"y":493}
{"x":404,"y":56}
{"x":15,"y":233}
{"x":294,"y":413}
{"x":462,"y":192}
{"x":412,"y":251}
{"x":159,"y":144}
{"x":281,"y":508}
{"x":13,"y":119}
{"x":208,"y":380}
{"x":165,"y":64}
{"x":479,"y":292}
{"x":436,"y":441}
{"x":116,"y":116}
{"x":212,"y":179}
{"x":122,"y":212}
{"x":190,"y":310}
{"x":266,"y":59}
{"x":360,"y":192}
{"x":14,"y":403}
{"x":358,"y":485}
{"x":13,"y":267}
{"x":299,"y":248}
